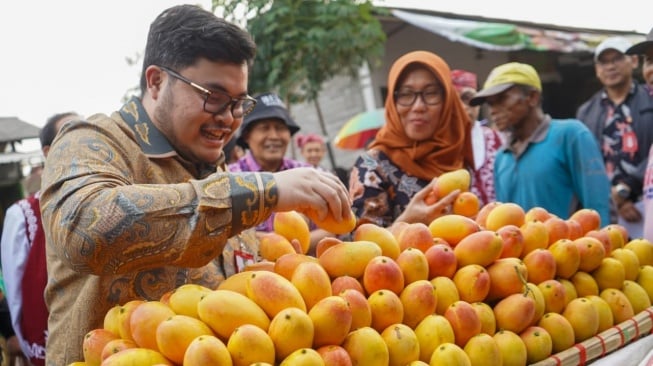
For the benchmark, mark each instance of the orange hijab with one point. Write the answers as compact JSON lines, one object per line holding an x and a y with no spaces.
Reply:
{"x":449,"y":148}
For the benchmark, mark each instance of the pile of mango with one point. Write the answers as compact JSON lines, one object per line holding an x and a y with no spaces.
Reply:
{"x":491,"y":285}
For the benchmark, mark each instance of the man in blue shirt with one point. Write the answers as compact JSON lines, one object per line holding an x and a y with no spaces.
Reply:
{"x":549,"y":163}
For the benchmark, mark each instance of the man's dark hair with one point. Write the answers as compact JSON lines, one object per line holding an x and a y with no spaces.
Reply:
{"x":49,"y":131}
{"x":183,"y":34}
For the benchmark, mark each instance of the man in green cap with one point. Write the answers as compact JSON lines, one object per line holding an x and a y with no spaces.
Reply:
{"x":549,"y":163}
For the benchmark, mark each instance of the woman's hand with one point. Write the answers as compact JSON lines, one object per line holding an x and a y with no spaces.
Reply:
{"x":418,"y":210}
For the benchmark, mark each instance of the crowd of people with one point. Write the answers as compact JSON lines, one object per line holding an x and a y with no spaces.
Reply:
{"x":176,"y":185}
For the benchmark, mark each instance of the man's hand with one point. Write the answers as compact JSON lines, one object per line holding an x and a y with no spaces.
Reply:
{"x":308,"y":189}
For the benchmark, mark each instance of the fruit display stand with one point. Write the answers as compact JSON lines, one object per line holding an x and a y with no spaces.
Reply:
{"x":611,"y":340}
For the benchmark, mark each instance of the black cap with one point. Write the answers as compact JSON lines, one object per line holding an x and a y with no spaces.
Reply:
{"x":641,"y":47}
{"x":268,"y":106}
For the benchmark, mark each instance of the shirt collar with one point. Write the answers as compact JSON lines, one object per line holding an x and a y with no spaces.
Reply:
{"x":153,"y":143}
{"x":605,"y":99}
{"x":538,"y":135}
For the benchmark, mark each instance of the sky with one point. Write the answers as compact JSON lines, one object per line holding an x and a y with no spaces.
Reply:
{"x":70,"y":55}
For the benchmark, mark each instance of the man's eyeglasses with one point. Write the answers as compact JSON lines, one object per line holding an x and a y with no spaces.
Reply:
{"x":406,"y":98}
{"x":217,"y":101}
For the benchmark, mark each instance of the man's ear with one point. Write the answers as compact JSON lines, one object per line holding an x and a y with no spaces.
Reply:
{"x":154,"y":80}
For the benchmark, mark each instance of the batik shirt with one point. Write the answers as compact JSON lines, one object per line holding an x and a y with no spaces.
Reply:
{"x":126,"y":218}
{"x":248,"y":164}
{"x":619,"y":144}
{"x":380,"y":190}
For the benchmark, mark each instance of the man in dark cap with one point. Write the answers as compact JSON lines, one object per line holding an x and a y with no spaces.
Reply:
{"x":266,"y":133}
{"x":645,"y":50}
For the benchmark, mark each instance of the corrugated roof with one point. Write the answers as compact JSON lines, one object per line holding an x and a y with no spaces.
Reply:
{"x":14,"y":129}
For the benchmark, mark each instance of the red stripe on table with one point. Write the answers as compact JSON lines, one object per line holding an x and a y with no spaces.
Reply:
{"x":582,"y":353}
{"x":603,"y":350}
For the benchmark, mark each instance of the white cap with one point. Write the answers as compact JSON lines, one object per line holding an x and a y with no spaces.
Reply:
{"x":619,"y":44}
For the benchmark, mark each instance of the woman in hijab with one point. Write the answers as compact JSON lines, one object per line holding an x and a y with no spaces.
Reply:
{"x":427,"y":133}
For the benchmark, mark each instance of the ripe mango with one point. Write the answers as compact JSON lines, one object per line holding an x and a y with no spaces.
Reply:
{"x":431,"y":332}
{"x":418,"y":300}
{"x":290,"y":330}
{"x":207,"y":350}
{"x":464,"y":321}
{"x":174,"y":335}
{"x":511,"y":347}
{"x":349,"y":258}
{"x":458,"y":179}
{"x":225,"y":310}
{"x":514,"y":312}
{"x":303,"y":357}
{"x":273,"y":292}
{"x":560,"y":329}
{"x":379,"y":235}
{"x":249,"y":344}
{"x":621,"y":307}
{"x":482,"y":349}
{"x":403,"y":346}
{"x":386,"y":309}
{"x":450,"y":354}
{"x":583,"y":316}
{"x":292,"y":225}
{"x":366,"y":347}
{"x":136,"y":356}
{"x":637,"y":296}
{"x":312,"y":281}
{"x":453,"y":228}
{"x":332,"y":320}
{"x":482,"y":248}
{"x":539,"y":344}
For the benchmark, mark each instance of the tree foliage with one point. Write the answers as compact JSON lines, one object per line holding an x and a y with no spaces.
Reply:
{"x":301,"y":44}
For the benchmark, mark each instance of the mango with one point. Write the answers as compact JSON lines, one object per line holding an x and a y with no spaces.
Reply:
{"x":383,"y":273}
{"x":567,"y":257}
{"x":585,"y":284}
{"x":541,"y":265}
{"x":583,"y":316}
{"x":538,"y":342}
{"x":630,"y":261}
{"x":381,"y":236}
{"x":482,"y":248}
{"x":225,"y":310}
{"x":644,"y":250}
{"x":184,"y":299}
{"x":144,"y":321}
{"x":446,"y":292}
{"x":402,"y":343}
{"x":513,"y":241}
{"x":329,"y":223}
{"x":303,"y":357}
{"x":481,"y":217}
{"x":124,"y":315}
{"x":514,"y":312}
{"x":334,"y":356}
{"x":248,"y":344}
{"x":361,"y":313}
{"x":449,"y":354}
{"x":207,"y":350}
{"x":339,"y":284}
{"x":621,"y":307}
{"x":591,"y":252}
{"x":606,"y":319}
{"x":93,"y":344}
{"x":273,"y":245}
{"x":505,"y":214}
{"x":554,"y":296}
{"x":560,"y":329}
{"x":535,"y":293}
{"x":312,"y":281}
{"x":273,"y":292}
{"x":511,"y":347}
{"x":136,"y":356}
{"x":365,"y":346}
{"x":349,"y":258}
{"x":236,"y":282}
{"x":464,"y":321}
{"x":413,"y":265}
{"x":645,"y":279}
{"x":292,"y":225}
{"x":441,"y":261}
{"x":472,"y":282}
{"x":386,"y":309}
{"x":290,"y":330}
{"x":637,"y":296}
{"x":416,"y":235}
{"x":431,"y":332}
{"x":536,"y":236}
{"x":447,"y":182}
{"x":609,"y":274}
{"x":286,"y":264}
{"x":119,"y":345}
{"x":482,"y":349}
{"x":486,"y":316}
{"x":557,"y":229}
{"x":418,"y":300}
{"x":111,"y":320}
{"x":466,"y":204}
{"x":589,"y":219}
{"x":174,"y":335}
{"x":453,"y":228}
{"x":331,"y":319}
{"x":507,"y":277}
